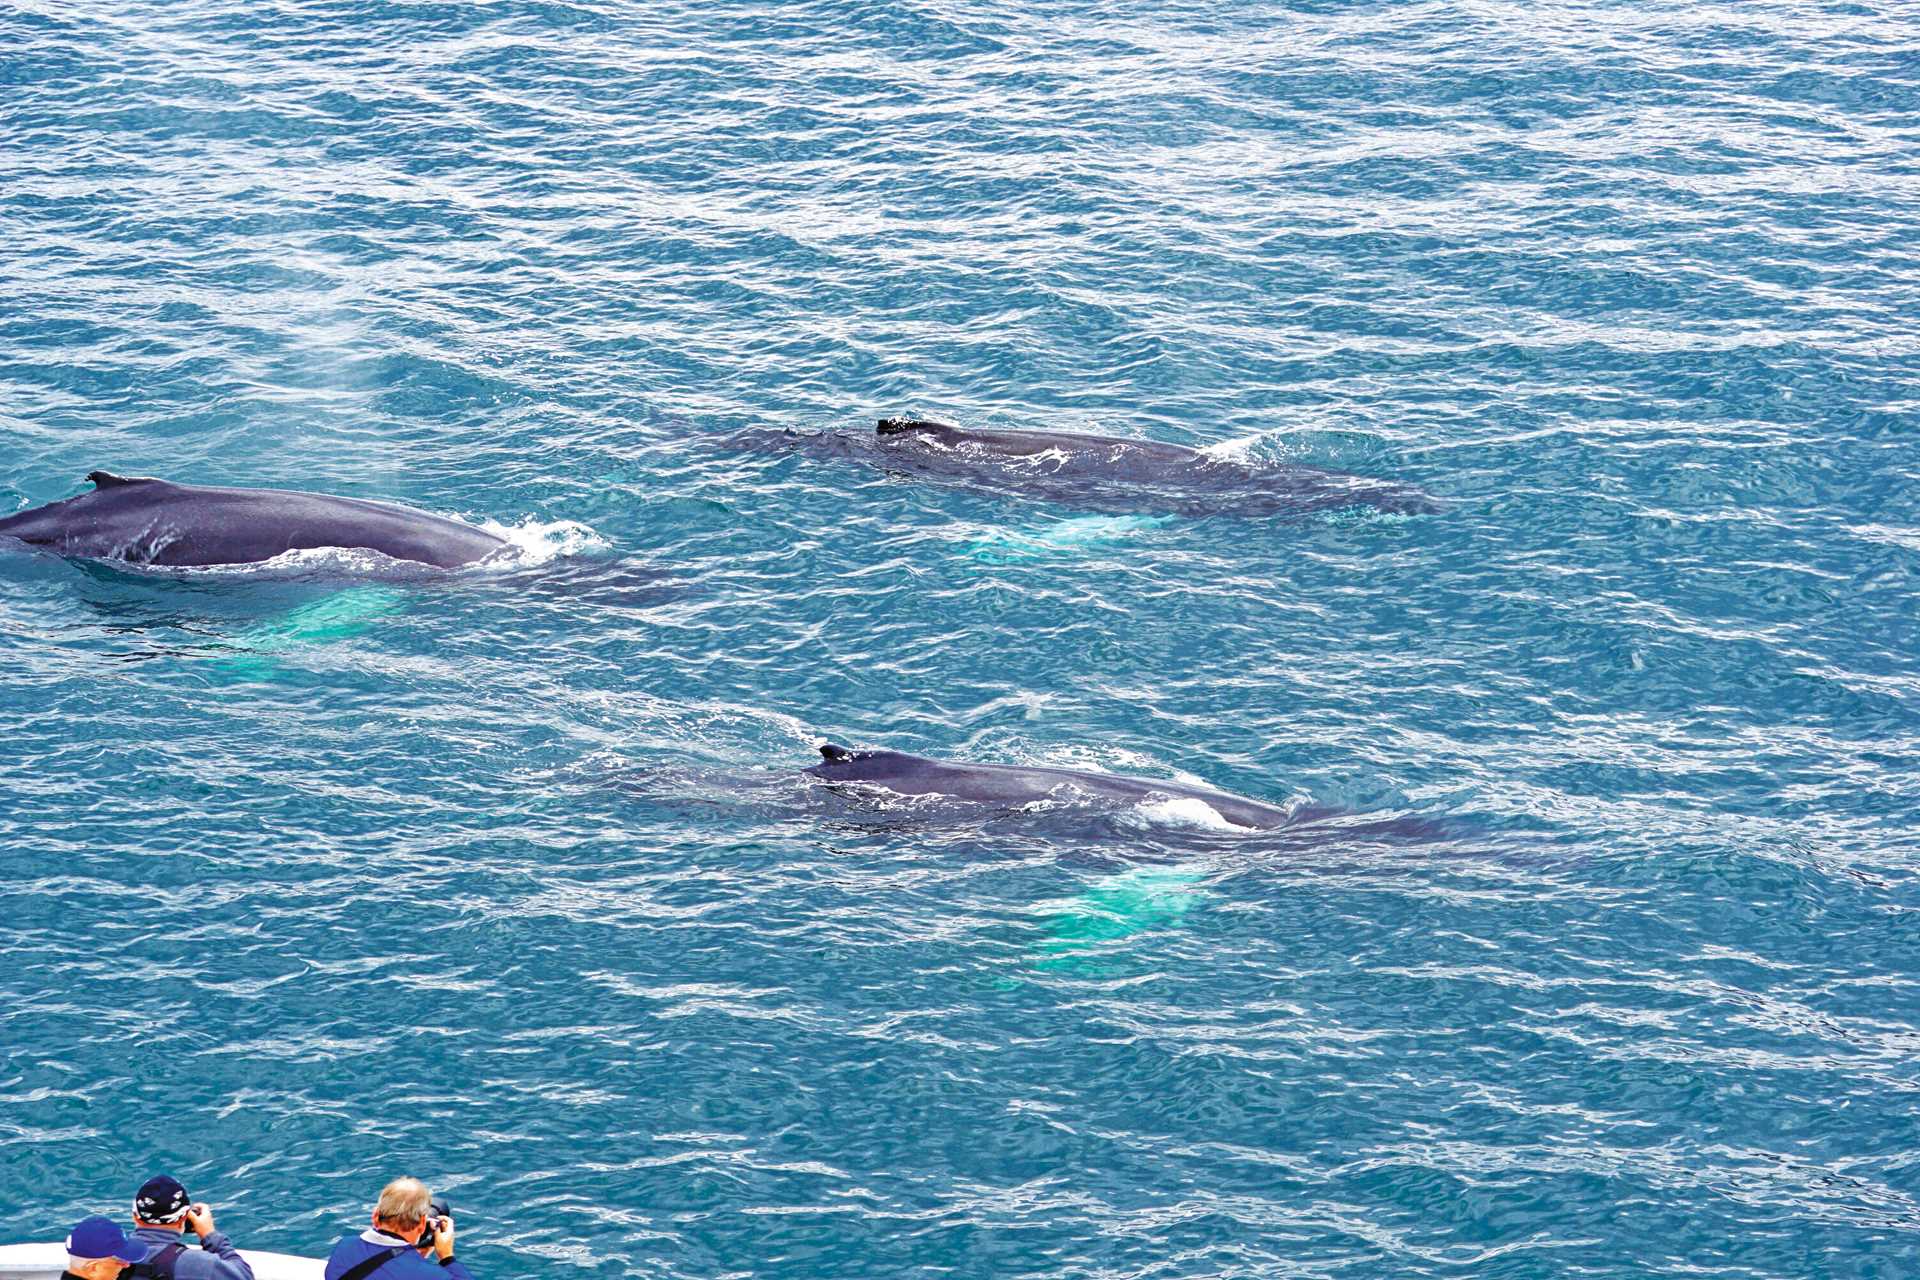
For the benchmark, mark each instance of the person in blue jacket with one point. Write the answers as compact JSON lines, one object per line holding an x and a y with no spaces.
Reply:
{"x":401,"y":1219}
{"x":162,"y":1212}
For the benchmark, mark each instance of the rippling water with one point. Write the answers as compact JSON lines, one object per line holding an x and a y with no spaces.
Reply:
{"x":505,"y":878}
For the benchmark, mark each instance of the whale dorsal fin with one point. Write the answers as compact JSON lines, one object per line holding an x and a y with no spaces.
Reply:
{"x":832,"y":753}
{"x":898,"y":426}
{"x":107,"y":480}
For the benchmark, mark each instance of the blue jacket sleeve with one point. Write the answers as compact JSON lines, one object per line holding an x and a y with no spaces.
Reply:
{"x":456,"y":1270}
{"x":217,"y":1260}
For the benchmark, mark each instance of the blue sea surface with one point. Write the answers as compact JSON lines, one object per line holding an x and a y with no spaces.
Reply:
{"x":507,"y":877}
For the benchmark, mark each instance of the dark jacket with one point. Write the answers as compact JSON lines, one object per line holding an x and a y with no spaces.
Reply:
{"x":215,"y":1259}
{"x":406,"y":1265}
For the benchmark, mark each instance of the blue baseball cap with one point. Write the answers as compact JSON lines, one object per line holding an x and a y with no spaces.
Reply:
{"x":99,"y":1237}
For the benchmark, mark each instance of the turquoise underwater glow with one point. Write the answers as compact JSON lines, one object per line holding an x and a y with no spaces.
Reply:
{"x":506,"y":877}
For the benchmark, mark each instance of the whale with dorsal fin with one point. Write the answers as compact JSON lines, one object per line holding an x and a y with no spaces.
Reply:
{"x":1112,"y":474}
{"x":1009,"y":786}
{"x":141,"y":520}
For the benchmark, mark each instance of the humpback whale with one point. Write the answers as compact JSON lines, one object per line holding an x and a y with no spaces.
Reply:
{"x":157,"y":522}
{"x":1102,"y":473}
{"x":1009,"y":786}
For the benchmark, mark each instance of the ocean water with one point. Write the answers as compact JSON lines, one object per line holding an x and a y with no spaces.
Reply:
{"x":507,"y":878}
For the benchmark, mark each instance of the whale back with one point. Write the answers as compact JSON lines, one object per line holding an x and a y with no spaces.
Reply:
{"x":1023,"y":784}
{"x":143,"y":520}
{"x":1027,"y":443}
{"x":1116,"y":473}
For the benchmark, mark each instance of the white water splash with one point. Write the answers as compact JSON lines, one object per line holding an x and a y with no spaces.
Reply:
{"x":1319,"y":446}
{"x":1186,"y":811}
{"x":534,"y":542}
{"x":357,"y":562}
{"x":1246,"y":450}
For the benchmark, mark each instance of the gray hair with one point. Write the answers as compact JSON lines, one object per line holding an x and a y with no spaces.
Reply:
{"x":403,"y":1202}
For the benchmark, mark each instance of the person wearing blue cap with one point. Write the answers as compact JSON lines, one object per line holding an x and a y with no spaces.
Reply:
{"x":162,"y":1212}
{"x":403,"y":1220}
{"x":97,"y":1250}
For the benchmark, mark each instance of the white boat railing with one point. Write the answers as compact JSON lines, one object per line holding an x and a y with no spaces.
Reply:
{"x":47,"y":1261}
